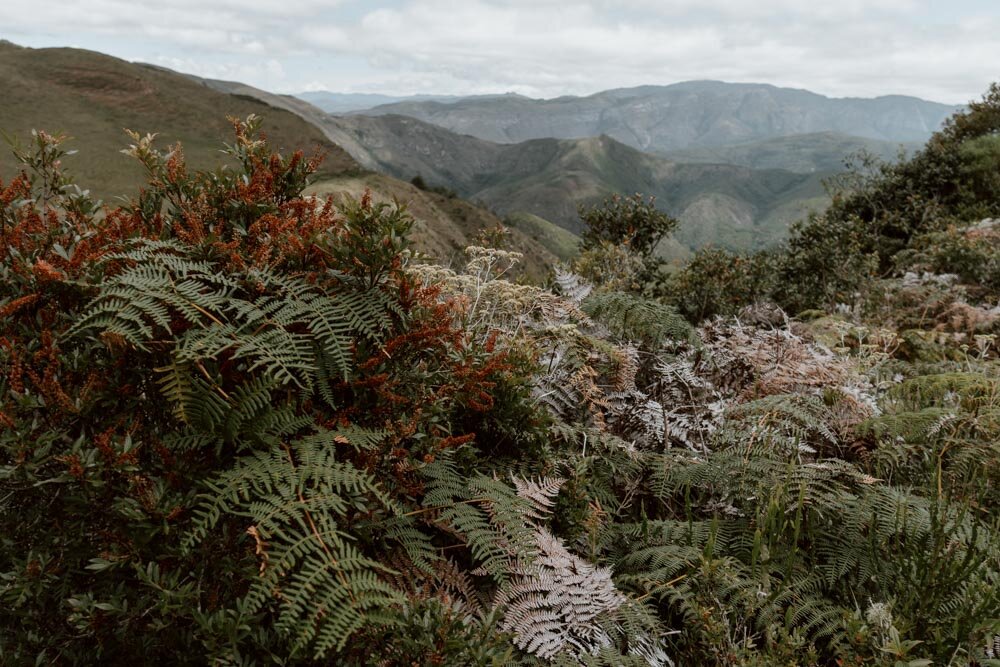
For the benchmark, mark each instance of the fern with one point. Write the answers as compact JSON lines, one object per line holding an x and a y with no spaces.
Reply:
{"x":298,"y":502}
{"x":294,"y":333}
{"x":489,"y":516}
{"x":575,"y":288}
{"x":636,"y":319}
{"x":553,"y":604}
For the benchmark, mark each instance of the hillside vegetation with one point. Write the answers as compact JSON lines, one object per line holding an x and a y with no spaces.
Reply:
{"x":93,"y":97}
{"x":805,"y":153}
{"x":245,"y":426}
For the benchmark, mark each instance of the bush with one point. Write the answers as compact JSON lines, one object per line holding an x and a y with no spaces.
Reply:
{"x":717,"y":282}
{"x":879,"y":208}
{"x":419,"y":182}
{"x":633,"y":221}
{"x":216,"y":403}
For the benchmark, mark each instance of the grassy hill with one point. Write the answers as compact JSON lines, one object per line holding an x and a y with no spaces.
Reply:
{"x":558,"y":241}
{"x":92,"y":97}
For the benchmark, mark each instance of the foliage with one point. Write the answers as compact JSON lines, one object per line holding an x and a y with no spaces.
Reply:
{"x":636,"y":319}
{"x":612,"y":266}
{"x":243,"y":426}
{"x":879,"y":208}
{"x":217,"y":402}
{"x":633,"y":221}
{"x":718,"y":282}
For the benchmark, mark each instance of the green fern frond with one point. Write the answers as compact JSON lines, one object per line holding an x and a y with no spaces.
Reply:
{"x":297,"y":502}
{"x":633,"y":318}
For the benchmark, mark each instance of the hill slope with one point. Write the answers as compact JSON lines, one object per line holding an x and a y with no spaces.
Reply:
{"x":444,"y":226}
{"x":804,"y":153}
{"x":683,"y":115}
{"x":730,"y":205}
{"x":91,"y":97}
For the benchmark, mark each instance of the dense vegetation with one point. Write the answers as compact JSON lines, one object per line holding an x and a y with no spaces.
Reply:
{"x":242,"y":426}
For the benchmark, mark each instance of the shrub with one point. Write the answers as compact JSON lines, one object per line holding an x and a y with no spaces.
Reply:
{"x":631,"y":221}
{"x":216,"y":405}
{"x":719,"y":282}
{"x":879,"y":208}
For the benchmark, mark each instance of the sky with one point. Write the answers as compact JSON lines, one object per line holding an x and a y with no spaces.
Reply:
{"x":942,"y":51}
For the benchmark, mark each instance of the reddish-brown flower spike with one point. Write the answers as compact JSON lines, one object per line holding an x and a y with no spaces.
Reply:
{"x":45,"y":272}
{"x":176,"y":171}
{"x":18,"y":304}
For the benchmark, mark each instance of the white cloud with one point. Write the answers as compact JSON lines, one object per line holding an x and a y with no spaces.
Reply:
{"x":542,"y":47}
{"x":271,"y":70}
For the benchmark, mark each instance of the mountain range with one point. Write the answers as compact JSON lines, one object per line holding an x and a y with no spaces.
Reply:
{"x":730,"y":205}
{"x":662,"y":119}
{"x":347,"y":102}
{"x":736,"y":163}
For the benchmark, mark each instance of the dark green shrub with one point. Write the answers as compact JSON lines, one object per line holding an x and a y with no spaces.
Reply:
{"x":719,"y":282}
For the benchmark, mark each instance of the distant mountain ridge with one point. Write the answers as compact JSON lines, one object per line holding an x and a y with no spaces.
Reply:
{"x":739,"y":195}
{"x":680,"y":116}
{"x":731,"y":205}
{"x":331,"y":102}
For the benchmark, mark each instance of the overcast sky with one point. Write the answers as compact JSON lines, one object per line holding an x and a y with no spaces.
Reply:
{"x":944,"y":51}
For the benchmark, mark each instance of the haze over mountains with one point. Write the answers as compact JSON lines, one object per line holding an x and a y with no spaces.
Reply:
{"x":683,"y":115}
{"x":347,"y":102}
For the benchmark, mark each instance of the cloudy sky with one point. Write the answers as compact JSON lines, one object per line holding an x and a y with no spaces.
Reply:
{"x":944,"y":51}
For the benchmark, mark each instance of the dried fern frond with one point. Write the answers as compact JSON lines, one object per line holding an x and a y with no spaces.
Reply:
{"x":540,"y":494}
{"x":572,"y":286}
{"x":554,"y":604}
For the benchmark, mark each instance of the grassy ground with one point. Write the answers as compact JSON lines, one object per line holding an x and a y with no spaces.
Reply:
{"x":93,"y":97}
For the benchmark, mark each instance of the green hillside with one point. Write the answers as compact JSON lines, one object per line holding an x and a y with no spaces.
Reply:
{"x":92,"y":97}
{"x":722,"y":204}
{"x":558,"y":241}
{"x":806,"y":153}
